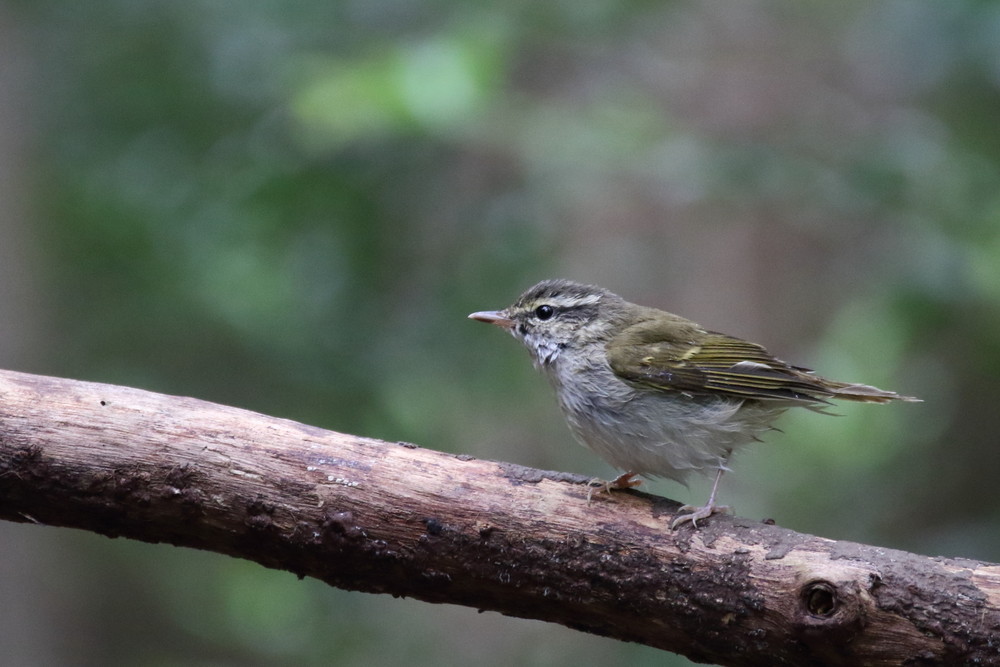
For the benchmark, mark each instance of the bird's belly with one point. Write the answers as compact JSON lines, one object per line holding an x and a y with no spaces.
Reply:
{"x":668,"y":435}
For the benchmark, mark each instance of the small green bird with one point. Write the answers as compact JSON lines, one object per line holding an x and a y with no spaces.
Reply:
{"x":654,"y":394}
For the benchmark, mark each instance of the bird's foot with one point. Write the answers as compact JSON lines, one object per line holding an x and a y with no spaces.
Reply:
{"x":696,"y":514}
{"x":626,"y":480}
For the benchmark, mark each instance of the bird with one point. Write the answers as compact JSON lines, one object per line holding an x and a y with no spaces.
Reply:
{"x":657,"y":395}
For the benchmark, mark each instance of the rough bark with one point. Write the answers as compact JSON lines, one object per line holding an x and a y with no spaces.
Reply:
{"x":385,"y":517}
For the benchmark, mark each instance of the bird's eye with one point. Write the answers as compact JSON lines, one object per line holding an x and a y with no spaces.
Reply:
{"x":545,"y":312}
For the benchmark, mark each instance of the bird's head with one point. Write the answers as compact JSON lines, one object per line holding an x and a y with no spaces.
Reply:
{"x":556,"y":315}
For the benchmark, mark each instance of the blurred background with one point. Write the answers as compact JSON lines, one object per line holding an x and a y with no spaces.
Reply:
{"x":291,"y":207}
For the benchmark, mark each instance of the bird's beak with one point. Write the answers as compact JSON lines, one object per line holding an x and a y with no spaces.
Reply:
{"x":497,"y":317}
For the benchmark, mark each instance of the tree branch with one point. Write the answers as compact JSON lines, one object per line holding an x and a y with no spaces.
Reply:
{"x":383,"y":517}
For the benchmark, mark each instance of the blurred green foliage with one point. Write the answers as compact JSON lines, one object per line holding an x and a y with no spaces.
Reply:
{"x":291,"y":206}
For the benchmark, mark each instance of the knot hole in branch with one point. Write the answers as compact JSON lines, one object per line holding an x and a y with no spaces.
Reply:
{"x":820,"y":599}
{"x":830,"y":614}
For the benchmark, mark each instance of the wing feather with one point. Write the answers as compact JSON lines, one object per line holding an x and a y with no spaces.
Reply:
{"x":695,"y":361}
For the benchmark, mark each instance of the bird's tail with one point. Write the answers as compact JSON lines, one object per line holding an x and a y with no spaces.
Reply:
{"x":864,"y":393}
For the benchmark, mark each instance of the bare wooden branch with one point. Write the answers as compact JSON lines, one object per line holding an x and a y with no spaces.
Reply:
{"x":383,"y":517}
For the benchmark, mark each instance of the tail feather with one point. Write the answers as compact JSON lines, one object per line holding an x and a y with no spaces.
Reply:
{"x":865,"y":393}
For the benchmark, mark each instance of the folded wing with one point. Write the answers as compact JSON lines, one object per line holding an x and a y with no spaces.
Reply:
{"x":700,"y":361}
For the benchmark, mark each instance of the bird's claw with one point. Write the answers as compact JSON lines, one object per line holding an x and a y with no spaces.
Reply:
{"x":696,"y":514}
{"x":624,"y":481}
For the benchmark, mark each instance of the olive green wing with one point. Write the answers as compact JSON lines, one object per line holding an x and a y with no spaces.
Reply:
{"x":704,"y":362}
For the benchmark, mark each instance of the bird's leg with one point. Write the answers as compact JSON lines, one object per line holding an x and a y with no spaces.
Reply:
{"x":626,"y":480}
{"x":695,"y":514}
